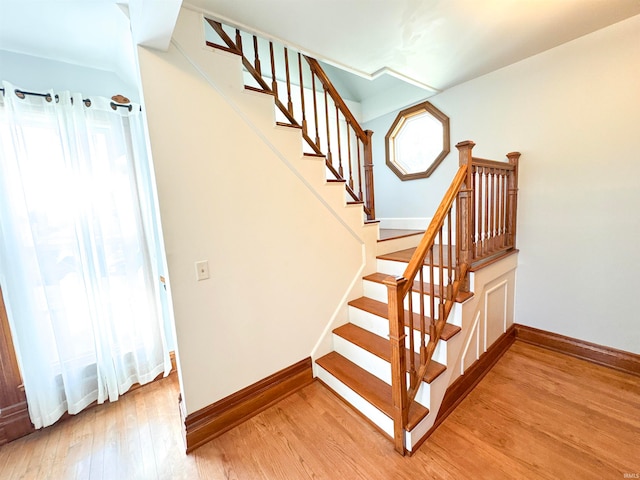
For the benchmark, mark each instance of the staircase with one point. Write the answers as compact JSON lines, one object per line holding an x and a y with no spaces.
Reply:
{"x":410,"y":319}
{"x":359,"y":368}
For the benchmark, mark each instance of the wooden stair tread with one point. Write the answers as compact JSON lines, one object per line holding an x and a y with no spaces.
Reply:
{"x":259,"y":90}
{"x":381,"y":348}
{"x":368,"y":386}
{"x":406,"y":254}
{"x":284,"y":124}
{"x":382,"y":310}
{"x":380,"y":277}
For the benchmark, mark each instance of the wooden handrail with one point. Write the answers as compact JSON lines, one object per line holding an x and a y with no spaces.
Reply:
{"x":358,"y":175}
{"x":482,"y":162}
{"x":331,"y":89}
{"x":417,"y":260}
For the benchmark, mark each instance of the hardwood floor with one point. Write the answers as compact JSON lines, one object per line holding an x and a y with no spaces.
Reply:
{"x":537,"y":414}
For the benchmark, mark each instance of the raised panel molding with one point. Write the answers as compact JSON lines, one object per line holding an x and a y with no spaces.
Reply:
{"x":495,"y":312}
{"x":475,"y":334}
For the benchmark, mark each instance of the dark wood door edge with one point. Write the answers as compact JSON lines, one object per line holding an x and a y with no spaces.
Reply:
{"x":211,"y":421}
{"x":601,"y":355}
{"x":15,"y":422}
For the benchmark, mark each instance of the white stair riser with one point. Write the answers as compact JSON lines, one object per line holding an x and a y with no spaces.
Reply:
{"x":375,"y":365}
{"x":438,"y":389}
{"x":366,"y":360}
{"x":378,"y":291}
{"x":384,"y":422}
{"x":380,"y":326}
{"x":392,"y":267}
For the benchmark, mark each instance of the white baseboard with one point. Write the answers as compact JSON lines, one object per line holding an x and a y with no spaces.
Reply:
{"x":415,"y":223}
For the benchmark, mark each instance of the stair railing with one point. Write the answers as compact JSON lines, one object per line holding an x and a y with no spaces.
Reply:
{"x":474,"y":223}
{"x":306,"y":98}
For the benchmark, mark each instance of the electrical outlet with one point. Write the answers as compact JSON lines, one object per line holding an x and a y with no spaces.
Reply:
{"x":202,"y":270}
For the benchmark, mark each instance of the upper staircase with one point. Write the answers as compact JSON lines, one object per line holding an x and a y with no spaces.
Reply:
{"x":393,"y":357}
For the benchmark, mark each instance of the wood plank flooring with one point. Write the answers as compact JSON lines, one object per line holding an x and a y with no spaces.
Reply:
{"x":536,"y":415}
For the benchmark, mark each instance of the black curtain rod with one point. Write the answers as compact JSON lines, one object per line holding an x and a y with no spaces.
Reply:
{"x":48,"y":98}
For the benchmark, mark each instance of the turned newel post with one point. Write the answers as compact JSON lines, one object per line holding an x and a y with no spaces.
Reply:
{"x":512,"y":199}
{"x":395,"y":290}
{"x":465,"y":221}
{"x":368,"y":176}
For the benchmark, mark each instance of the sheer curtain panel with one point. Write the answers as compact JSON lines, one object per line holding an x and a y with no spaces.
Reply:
{"x":78,"y":251}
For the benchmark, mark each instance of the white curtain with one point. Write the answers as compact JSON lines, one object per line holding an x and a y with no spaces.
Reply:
{"x":78,"y":251}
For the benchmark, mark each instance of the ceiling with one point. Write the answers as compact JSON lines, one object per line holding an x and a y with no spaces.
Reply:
{"x":428,"y":44}
{"x":436,"y":43}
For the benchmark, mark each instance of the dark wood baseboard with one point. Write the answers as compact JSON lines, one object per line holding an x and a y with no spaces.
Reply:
{"x":15,"y":422}
{"x":609,"y":357}
{"x":464,"y":384}
{"x":221,"y":416}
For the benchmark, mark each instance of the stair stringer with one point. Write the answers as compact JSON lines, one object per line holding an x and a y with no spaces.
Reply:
{"x":483,"y":318}
{"x":223,"y":71}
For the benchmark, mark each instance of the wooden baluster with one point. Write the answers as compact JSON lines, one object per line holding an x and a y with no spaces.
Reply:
{"x":466,"y":218}
{"x":304,"y":113}
{"x":459,"y":220}
{"x":326,"y":118}
{"x":395,"y":287}
{"x":256,"y":55}
{"x":315,"y":107}
{"x":411,"y":359}
{"x":505,"y":178}
{"x":498,"y":203}
{"x":441,"y":267}
{"x":482,"y":212}
{"x":368,"y":176}
{"x":274,"y":81}
{"x":475,"y":228}
{"x":286,"y":66}
{"x":359,"y":169}
{"x":512,"y":209}
{"x":423,"y":316}
{"x":340,"y":169}
{"x":494,"y":217}
{"x":450,"y":265}
{"x":432,"y":292}
{"x":501,"y":209}
{"x":349,"y":156}
{"x":239,"y":40}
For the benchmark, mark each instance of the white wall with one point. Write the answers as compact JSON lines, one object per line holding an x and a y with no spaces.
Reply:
{"x":574,"y":114}
{"x":41,"y":75}
{"x":280,"y":259}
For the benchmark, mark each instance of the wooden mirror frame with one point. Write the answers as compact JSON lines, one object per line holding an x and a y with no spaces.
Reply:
{"x":397,"y":125}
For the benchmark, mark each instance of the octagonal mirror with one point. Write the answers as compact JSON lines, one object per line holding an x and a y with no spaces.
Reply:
{"x":417,"y":141}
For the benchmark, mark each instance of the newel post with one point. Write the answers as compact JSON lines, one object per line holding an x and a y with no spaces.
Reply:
{"x":512,"y":199}
{"x":465,"y":222}
{"x":368,"y":177}
{"x":395,"y":289}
